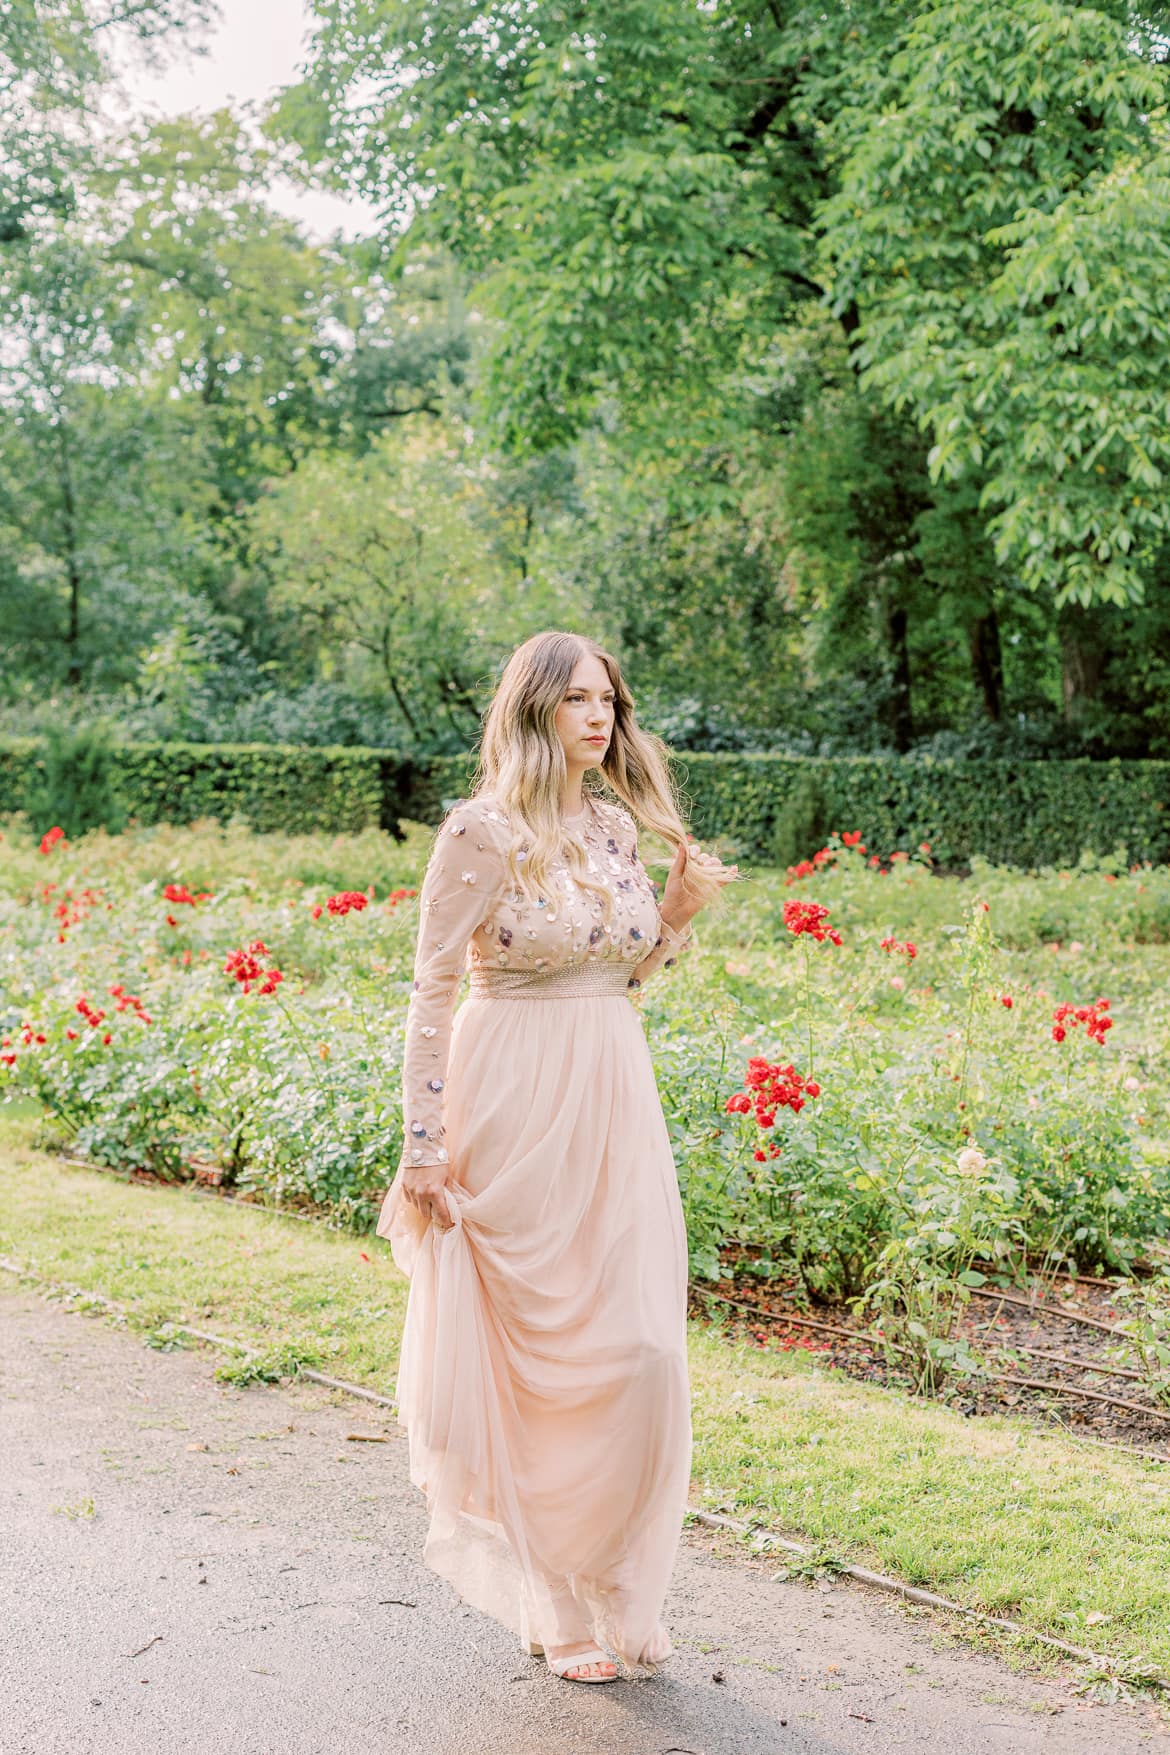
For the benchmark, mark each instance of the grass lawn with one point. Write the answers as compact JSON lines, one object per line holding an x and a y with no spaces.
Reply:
{"x":1071,"y":1541}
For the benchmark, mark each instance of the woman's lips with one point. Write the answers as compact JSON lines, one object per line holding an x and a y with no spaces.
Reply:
{"x":595,"y":740}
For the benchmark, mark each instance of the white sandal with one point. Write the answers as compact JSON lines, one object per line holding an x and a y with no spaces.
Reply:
{"x":575,"y":1660}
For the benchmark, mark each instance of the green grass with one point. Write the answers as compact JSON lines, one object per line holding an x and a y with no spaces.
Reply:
{"x":174,"y":1254}
{"x":1071,"y":1541}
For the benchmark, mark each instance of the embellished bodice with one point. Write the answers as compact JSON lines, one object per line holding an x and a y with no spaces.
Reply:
{"x":473,"y":916}
{"x":567,"y":924}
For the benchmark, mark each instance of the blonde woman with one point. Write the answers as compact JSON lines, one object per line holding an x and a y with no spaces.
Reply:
{"x":543,"y":1374}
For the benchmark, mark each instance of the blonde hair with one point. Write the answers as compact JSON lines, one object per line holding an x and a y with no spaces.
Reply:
{"x":522,"y":764}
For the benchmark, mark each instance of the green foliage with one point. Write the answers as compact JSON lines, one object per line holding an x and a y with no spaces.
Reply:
{"x":810,"y":359}
{"x":127,"y":1112}
{"x":645,"y":203}
{"x":801,"y":822}
{"x":74,"y":785}
{"x":1145,"y":1325}
{"x":951,"y":1134}
{"x":769,"y":808}
{"x":876,"y":1191}
{"x":1000,"y":236}
{"x":267,"y":785}
{"x":1021,"y":814}
{"x":100,"y":500}
{"x":275,"y":1364}
{"x":172,"y":345}
{"x":19,"y":759}
{"x":692,"y":1067}
{"x":383,"y":563}
{"x":53,"y":56}
{"x":434,"y":786}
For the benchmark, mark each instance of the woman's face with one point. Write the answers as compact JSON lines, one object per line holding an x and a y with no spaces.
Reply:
{"x":584,"y":719}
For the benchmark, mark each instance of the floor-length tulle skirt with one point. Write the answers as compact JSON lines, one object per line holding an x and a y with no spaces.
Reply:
{"x":543,"y":1375}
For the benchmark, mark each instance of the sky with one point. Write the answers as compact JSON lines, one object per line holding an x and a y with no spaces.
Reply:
{"x":254,"y":49}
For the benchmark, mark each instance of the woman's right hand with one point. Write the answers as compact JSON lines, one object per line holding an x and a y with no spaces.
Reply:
{"x":423,"y":1186}
{"x":678,"y":906}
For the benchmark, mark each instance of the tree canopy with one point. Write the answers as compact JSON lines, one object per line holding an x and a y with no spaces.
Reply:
{"x":977,"y":194}
{"x":812,"y":358}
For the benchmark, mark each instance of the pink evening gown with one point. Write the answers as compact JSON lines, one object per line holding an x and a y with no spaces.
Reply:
{"x":543,"y":1373}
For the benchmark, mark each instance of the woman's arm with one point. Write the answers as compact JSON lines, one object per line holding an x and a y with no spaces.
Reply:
{"x":673,"y":941}
{"x":464,"y":877}
{"x":670,"y":946}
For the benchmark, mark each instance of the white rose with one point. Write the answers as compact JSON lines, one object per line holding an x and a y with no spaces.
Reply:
{"x":971,"y":1162}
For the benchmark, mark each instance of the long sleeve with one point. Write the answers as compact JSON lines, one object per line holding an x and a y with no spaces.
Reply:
{"x":464,"y":877}
{"x":667,"y":950}
{"x":669,"y":946}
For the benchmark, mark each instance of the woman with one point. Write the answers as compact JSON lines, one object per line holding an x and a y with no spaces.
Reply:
{"x":543,"y":1374}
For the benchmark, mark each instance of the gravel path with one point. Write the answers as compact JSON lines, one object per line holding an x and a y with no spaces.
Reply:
{"x":188,"y":1567}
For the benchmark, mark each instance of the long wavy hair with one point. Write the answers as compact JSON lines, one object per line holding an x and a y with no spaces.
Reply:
{"x":522,"y":764}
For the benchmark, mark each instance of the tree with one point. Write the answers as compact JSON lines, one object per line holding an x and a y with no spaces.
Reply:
{"x":167,"y":350}
{"x":245,"y":316}
{"x":98,"y":497}
{"x":53,"y":53}
{"x":115,"y":461}
{"x":383,"y":561}
{"x":645,"y":194}
{"x":1002,"y":237}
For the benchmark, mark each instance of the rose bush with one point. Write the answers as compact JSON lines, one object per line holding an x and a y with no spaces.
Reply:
{"x":854,"y":1030}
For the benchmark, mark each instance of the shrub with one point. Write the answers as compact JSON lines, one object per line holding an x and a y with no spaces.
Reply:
{"x":74,"y":784}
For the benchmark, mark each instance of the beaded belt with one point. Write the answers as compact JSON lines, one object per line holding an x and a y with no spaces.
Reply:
{"x":601,"y":975}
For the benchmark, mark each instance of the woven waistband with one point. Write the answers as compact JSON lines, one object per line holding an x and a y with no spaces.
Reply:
{"x":586,"y":980}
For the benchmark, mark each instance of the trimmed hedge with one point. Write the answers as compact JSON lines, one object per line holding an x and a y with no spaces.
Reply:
{"x":440,"y":782}
{"x":21,"y":759}
{"x":779,"y":809}
{"x":271,"y":786}
{"x":770,"y":808}
{"x":1027,"y":814}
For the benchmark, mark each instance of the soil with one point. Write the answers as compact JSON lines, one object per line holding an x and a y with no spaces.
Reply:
{"x":997,"y":1327}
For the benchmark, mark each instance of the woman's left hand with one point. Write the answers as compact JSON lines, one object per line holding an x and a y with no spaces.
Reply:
{"x":678,"y":905}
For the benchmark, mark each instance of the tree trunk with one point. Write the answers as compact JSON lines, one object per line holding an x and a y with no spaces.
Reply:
{"x":987,"y":662}
{"x":526,"y":540}
{"x":392,"y":681}
{"x":1082,"y":659}
{"x":72,"y":565}
{"x":898,"y":645}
